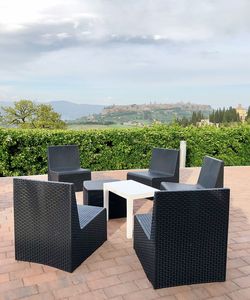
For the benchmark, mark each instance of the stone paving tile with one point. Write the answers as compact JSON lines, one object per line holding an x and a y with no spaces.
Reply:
{"x":36,"y":279}
{"x":120,"y":289}
{"x":146,"y":294}
{"x":188,"y":295}
{"x":43,"y":296}
{"x":243,"y":294}
{"x":10,"y":285}
{"x":114,"y":271}
{"x":71,"y":291}
{"x":166,"y":298}
{"x":93,"y":295}
{"x":21,"y":292}
{"x":243,"y":282}
{"x":54,"y":285}
{"x":224,"y":297}
{"x":219,"y":289}
{"x":4,"y":277}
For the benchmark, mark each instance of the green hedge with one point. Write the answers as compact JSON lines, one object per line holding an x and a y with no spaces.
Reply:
{"x":23,"y":152}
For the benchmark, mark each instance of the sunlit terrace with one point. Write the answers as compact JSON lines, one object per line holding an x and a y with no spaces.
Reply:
{"x":113,"y":271}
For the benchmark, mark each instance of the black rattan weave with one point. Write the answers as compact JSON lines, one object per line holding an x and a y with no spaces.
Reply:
{"x":51,"y":229}
{"x":211,"y":176}
{"x":184,"y":241}
{"x":64,"y":166}
{"x":93,"y":195}
{"x":164,"y":166}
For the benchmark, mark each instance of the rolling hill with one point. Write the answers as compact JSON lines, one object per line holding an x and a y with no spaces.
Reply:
{"x":67,"y":109}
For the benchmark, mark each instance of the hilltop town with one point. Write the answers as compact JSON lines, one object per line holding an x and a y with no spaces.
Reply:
{"x":155,"y":106}
{"x":142,"y":114}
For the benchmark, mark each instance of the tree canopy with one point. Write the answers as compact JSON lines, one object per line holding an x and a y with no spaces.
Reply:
{"x":224,"y":115}
{"x":195,"y":118}
{"x":27,"y":114}
{"x":248,"y":115}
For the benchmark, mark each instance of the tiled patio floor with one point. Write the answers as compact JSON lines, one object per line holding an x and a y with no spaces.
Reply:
{"x":113,"y":271}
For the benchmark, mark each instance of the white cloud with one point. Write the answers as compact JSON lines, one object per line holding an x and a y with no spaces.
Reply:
{"x":178,"y":21}
{"x":96,"y":47}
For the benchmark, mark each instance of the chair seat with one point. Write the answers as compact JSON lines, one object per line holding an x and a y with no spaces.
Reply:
{"x":145,"y":220}
{"x":172,"y":186}
{"x":71,"y":171}
{"x":148,"y":174}
{"x":150,"y":178}
{"x":164,"y":166}
{"x":87,"y":213}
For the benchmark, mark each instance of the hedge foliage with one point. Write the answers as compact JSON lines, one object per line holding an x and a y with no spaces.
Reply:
{"x":24,"y":152}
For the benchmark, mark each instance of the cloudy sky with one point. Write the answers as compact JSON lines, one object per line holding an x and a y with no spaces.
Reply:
{"x":116,"y":51}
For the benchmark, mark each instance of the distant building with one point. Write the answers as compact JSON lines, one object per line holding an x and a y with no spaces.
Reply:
{"x":204,"y":122}
{"x":242,"y":112}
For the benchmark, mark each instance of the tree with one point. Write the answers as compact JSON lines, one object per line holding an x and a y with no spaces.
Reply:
{"x":212,"y":117}
{"x":22,"y":113}
{"x":46,"y":117}
{"x":194,"y":118}
{"x":248,"y":115}
{"x":224,"y":115}
{"x":26,"y":114}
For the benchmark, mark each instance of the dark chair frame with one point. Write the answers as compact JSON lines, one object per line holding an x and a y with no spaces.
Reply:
{"x":184,"y":240}
{"x":211,"y":176}
{"x":164,"y":166}
{"x":51,"y":229}
{"x":64,"y":166}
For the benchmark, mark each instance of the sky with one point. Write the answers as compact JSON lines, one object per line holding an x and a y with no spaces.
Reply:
{"x":125,"y":52}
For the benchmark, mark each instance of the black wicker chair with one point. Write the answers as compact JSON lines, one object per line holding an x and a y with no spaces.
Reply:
{"x":184,"y":240}
{"x":211,"y":176}
{"x":164,"y":166}
{"x":51,"y":229}
{"x":64,"y":166}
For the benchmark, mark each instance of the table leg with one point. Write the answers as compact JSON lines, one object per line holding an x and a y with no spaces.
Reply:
{"x":130,"y":218}
{"x":106,"y":201}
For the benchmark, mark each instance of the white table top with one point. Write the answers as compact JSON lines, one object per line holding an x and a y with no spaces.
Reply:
{"x":130,"y":189}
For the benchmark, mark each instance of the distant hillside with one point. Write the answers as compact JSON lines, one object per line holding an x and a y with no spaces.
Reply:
{"x":121,"y":114}
{"x":71,"y":111}
{"x":144,"y":114}
{"x":68,"y":110}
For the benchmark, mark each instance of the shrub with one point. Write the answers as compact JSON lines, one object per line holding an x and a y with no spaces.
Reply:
{"x":24,"y":152}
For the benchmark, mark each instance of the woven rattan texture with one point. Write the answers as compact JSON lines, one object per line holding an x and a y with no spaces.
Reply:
{"x":212,"y":173}
{"x":189,"y":234}
{"x":64,"y":166}
{"x":77,"y":177}
{"x":145,"y":248}
{"x":47,"y":228}
{"x":211,"y":176}
{"x":164,"y":166}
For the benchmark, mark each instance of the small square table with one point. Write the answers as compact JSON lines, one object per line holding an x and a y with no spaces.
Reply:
{"x":130,"y":190}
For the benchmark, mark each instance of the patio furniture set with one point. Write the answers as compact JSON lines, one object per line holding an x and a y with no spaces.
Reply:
{"x":183,"y":240}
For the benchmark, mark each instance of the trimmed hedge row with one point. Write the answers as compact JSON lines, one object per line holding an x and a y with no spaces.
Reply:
{"x":24,"y":152}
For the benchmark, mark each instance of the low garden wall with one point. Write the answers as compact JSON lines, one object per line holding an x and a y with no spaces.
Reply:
{"x":24,"y":152}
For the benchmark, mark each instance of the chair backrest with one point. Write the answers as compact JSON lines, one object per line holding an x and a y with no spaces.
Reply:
{"x":165,"y":161}
{"x":212,"y":173}
{"x":63,"y":157}
{"x":45,"y":215}
{"x":190,"y":227}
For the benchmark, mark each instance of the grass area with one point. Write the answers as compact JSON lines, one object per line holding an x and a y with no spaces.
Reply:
{"x":96,"y":126}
